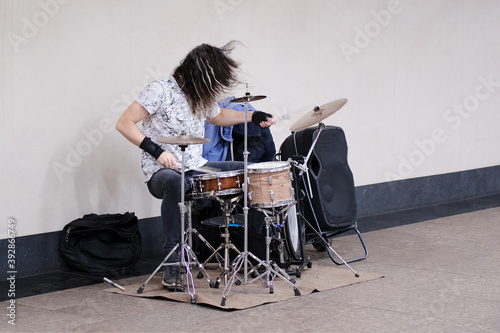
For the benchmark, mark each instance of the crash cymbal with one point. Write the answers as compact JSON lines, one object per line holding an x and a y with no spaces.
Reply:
{"x":183,"y":140}
{"x":248,"y":98}
{"x":318,"y":114}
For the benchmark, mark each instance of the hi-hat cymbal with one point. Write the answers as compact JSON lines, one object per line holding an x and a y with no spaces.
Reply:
{"x":183,"y":140}
{"x":248,"y":98}
{"x":318,"y":114}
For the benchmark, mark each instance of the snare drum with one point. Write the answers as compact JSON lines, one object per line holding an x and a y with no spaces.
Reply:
{"x":270,"y":184}
{"x":220,"y":183}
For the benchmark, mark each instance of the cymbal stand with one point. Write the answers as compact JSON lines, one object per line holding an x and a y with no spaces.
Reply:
{"x":329,"y":247}
{"x":271,"y":268}
{"x":187,"y":253}
{"x":303,"y":168}
{"x":245,"y":252}
{"x":242,"y":258}
{"x":245,"y":192}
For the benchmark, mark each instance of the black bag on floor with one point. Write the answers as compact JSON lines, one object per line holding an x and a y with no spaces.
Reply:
{"x":101,"y":243}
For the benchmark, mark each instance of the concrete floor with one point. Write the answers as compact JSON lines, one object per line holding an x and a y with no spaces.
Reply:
{"x":441,"y":275}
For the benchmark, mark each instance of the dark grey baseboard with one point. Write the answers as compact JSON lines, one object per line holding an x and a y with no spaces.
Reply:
{"x":39,"y":254}
{"x":424,"y":191}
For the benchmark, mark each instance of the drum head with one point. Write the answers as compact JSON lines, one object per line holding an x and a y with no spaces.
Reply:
{"x":295,"y":236}
{"x":223,"y":174}
{"x":272,"y":204}
{"x":266,"y":167}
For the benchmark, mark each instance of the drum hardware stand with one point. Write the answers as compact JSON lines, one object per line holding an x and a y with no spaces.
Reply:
{"x":229,"y":206}
{"x":245,"y":195}
{"x":317,"y":115}
{"x":328,"y":246}
{"x":298,"y":269}
{"x":190,"y":230}
{"x":271,"y":268}
{"x":218,"y":257}
{"x":242,"y":258}
{"x":186,"y":251}
{"x":303,"y":168}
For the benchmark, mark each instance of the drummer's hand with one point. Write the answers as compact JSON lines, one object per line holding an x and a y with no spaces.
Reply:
{"x":268,"y":122}
{"x":168,"y":160}
{"x":262,"y":119}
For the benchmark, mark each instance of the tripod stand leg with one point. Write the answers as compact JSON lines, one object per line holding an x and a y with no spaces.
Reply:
{"x":201,"y":268}
{"x":271,"y":273}
{"x":329,"y":248}
{"x":186,"y":262}
{"x":274,"y":268}
{"x":238,"y":262}
{"x":214,"y":254}
{"x":225,"y":270}
{"x":163,"y":263}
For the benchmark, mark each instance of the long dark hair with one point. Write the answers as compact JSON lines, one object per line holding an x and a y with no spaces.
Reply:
{"x":205,"y":74}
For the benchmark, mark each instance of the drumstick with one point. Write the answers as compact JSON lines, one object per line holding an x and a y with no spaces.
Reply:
{"x":206,"y":170}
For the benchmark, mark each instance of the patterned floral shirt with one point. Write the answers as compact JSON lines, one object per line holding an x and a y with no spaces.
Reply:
{"x":171,"y":115}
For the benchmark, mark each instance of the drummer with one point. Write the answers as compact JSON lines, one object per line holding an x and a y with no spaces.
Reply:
{"x":179,"y":105}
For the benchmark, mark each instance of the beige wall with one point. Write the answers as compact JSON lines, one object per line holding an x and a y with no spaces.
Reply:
{"x":416,"y":75}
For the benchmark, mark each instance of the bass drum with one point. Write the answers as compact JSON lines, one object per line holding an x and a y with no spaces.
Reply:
{"x":294,"y":237}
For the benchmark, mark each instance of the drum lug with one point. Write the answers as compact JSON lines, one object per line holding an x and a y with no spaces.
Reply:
{"x":271,"y":195}
{"x":290,"y":175}
{"x":280,"y":248}
{"x":292,"y":192}
{"x":270,"y":180}
{"x":250,"y":195}
{"x":219,"y":184}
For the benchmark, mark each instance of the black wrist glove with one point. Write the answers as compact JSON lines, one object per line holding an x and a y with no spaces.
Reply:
{"x":259,"y":116}
{"x":150,"y":147}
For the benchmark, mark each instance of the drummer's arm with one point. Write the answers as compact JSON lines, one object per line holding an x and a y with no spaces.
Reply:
{"x":127,"y":123}
{"x":228,"y":117}
{"x":127,"y":126}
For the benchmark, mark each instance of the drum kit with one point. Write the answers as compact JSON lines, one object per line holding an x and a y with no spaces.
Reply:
{"x":267,"y":187}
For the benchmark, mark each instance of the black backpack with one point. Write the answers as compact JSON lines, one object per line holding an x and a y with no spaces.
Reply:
{"x":101,"y":243}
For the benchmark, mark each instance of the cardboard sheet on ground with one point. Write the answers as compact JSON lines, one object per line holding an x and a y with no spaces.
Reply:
{"x":243,"y":296}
